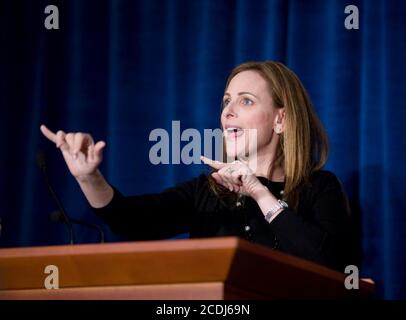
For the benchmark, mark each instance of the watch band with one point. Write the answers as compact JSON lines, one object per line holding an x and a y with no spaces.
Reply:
{"x":280,"y":205}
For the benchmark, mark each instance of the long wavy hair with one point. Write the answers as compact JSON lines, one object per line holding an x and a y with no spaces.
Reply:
{"x":303,"y":146}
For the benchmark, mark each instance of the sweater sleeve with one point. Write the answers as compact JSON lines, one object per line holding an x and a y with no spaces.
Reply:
{"x":320,"y":234}
{"x":150,"y":216}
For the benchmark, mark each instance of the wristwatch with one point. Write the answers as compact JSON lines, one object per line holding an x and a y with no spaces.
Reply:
{"x":280,"y":205}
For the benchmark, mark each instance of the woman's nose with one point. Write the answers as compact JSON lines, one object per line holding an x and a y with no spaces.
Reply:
{"x":229,"y":111}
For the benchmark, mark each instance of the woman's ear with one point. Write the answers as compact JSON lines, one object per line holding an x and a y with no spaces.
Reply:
{"x":279,"y":125}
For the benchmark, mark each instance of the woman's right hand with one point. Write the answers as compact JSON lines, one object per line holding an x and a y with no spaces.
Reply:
{"x":80,"y":152}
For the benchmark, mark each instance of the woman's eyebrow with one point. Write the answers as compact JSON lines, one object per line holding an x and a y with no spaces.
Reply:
{"x":246,"y":92}
{"x":241,"y":93}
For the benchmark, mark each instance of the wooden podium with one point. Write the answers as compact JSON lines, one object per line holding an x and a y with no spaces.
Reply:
{"x":212,"y":269}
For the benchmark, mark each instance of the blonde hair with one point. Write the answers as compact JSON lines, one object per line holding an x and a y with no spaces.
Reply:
{"x":303,"y":145}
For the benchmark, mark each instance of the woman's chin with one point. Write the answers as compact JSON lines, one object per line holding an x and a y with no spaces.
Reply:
{"x":235,"y":154}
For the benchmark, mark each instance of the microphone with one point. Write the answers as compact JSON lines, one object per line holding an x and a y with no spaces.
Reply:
{"x":57,"y":216}
{"x":42,"y":164}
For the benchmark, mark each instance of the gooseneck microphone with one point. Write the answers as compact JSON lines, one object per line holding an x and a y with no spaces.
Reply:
{"x":57,"y":216}
{"x":42,"y":164}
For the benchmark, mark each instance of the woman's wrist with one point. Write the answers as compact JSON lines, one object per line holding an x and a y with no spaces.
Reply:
{"x":96,"y":189}
{"x":260,"y":192}
{"x":266,"y":201}
{"x":92,"y":178}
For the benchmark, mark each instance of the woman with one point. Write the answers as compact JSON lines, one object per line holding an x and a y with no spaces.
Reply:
{"x":280,"y":197}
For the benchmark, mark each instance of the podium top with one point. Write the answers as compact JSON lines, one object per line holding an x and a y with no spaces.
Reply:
{"x":230,"y":260}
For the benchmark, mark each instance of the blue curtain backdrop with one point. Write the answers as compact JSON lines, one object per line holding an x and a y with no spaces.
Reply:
{"x":119,"y":69}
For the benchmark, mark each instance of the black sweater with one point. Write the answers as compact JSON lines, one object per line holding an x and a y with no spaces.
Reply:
{"x":318,"y":231}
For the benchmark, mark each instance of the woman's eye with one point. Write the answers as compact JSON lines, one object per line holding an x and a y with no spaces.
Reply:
{"x":247,"y":102}
{"x":226,"y":102}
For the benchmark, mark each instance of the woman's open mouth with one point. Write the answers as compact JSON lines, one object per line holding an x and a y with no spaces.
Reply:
{"x":234,"y":132}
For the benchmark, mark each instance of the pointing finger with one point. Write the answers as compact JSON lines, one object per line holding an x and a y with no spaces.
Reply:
{"x":48,"y":133}
{"x":214,"y":164}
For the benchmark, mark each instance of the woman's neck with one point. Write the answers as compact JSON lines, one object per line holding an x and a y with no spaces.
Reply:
{"x":264,"y":167}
